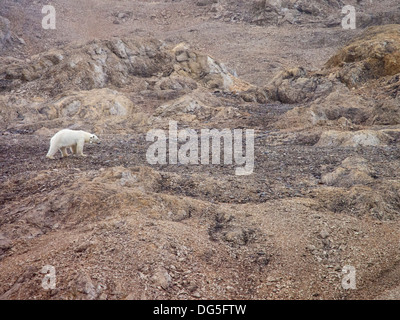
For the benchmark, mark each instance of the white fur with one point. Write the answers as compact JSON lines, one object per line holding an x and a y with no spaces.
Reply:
{"x":74,"y":139}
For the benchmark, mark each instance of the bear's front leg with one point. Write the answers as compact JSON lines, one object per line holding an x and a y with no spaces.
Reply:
{"x":52,"y":151}
{"x":79,"y":148}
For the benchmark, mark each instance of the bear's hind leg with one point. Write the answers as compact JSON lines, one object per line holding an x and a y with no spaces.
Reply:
{"x":64,"y":152}
{"x":74,"y":149}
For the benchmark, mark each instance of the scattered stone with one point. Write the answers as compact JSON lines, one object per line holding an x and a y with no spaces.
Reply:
{"x":162,"y":278}
{"x":324,"y":234}
{"x":85,"y":285}
{"x":196,"y":294}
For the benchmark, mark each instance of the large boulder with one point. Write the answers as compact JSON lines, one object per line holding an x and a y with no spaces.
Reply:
{"x":340,"y":109}
{"x":206,"y":70}
{"x":372,"y":55}
{"x":91,"y":105}
{"x":361,"y":138}
{"x":352,"y":171}
{"x":297,"y":85}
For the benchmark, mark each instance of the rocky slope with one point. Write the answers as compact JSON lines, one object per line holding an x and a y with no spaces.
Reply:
{"x":325,"y":188}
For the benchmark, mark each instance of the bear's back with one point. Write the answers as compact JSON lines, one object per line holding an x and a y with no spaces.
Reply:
{"x":68,"y":137}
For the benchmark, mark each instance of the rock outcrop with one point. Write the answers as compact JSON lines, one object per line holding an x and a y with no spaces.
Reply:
{"x":374,"y":54}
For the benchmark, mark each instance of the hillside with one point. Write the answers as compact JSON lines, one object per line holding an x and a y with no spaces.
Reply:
{"x":324,"y":191}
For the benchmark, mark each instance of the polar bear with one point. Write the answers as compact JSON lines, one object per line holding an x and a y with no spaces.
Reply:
{"x":74,"y":139}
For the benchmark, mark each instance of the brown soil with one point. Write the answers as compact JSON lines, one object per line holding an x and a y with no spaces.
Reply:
{"x":325,"y":189}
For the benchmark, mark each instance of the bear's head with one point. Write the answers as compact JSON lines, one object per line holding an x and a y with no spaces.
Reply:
{"x":94,"y":138}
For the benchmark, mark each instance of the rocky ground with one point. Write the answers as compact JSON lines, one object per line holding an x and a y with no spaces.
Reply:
{"x":324,"y":194}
